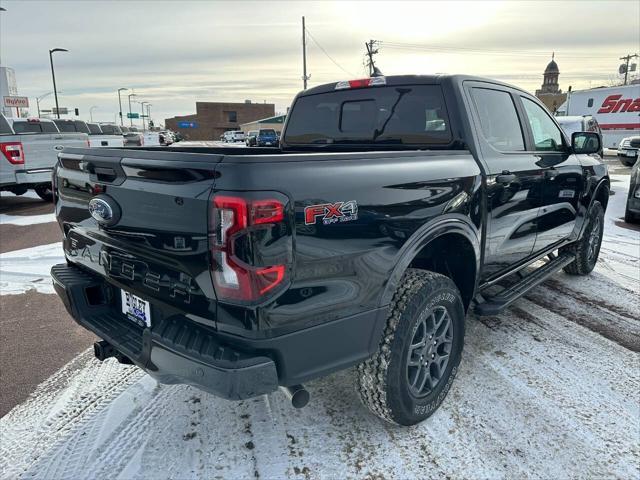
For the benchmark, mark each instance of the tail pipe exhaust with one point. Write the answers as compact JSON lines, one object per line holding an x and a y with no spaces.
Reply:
{"x":297,"y":394}
{"x":103,"y":350}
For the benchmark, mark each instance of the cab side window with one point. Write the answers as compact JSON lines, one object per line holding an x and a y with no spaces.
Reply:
{"x":547,"y":137}
{"x":498,"y":119}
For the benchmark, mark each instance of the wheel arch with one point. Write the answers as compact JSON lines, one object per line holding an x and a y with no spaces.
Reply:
{"x":423,"y":250}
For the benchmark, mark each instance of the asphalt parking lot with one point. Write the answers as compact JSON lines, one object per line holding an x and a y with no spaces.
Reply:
{"x":556,"y":377}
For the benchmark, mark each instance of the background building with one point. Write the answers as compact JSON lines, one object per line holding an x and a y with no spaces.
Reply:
{"x":550,"y":93}
{"x":276,"y":123}
{"x":212,"y":119}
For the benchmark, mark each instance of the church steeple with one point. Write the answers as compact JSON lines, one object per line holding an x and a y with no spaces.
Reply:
{"x":551,"y":74}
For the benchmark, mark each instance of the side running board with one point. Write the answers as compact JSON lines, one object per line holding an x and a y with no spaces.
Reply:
{"x":495,"y":305}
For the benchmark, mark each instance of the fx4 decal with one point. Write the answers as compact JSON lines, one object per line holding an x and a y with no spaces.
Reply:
{"x":331,"y":212}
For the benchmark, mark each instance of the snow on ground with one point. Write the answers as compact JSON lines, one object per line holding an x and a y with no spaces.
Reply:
{"x":550,"y":389}
{"x":29,"y":269}
{"x":27,"y":194}
{"x":26,"y":219}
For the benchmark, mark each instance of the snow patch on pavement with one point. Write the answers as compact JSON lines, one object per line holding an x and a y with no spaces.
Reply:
{"x":23,"y":220}
{"x":29,"y":269}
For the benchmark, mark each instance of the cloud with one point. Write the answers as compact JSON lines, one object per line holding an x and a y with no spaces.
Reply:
{"x":176,"y":53}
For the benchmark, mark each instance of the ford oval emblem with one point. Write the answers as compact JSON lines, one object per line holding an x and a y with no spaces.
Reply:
{"x":104,"y":210}
{"x":59,"y":148}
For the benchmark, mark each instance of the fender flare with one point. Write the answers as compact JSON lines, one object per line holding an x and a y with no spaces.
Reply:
{"x":447,"y":224}
{"x":602,"y":183}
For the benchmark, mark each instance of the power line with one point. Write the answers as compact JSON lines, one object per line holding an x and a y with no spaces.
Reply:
{"x":328,"y":56}
{"x":481,"y":51}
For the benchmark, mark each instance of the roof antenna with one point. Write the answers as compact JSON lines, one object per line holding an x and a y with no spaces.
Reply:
{"x":377,"y":72}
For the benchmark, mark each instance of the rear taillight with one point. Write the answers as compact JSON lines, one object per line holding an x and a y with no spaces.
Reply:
{"x":234,"y":217}
{"x":13,"y":152}
{"x":361,"y":83}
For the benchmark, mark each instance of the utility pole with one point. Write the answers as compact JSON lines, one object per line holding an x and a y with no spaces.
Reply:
{"x":626,"y":69}
{"x":305,"y":77}
{"x":371,"y":51}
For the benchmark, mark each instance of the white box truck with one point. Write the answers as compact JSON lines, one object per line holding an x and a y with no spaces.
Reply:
{"x":617,"y":110}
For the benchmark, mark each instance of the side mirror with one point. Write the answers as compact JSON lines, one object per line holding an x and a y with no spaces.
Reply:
{"x":585,"y":143}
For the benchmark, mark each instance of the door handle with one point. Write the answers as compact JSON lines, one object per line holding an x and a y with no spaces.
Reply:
{"x":505,"y":177}
{"x":550,"y":173}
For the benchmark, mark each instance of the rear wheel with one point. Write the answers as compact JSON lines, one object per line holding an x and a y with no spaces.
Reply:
{"x":587,"y":248}
{"x":407,"y":379}
{"x":44,"y":192}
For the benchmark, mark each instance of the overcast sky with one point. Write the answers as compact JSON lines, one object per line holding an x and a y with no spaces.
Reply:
{"x":176,"y":52}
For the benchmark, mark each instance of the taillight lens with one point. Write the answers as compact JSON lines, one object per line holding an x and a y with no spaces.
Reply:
{"x":361,"y":83}
{"x":231,"y":218}
{"x":13,"y":152}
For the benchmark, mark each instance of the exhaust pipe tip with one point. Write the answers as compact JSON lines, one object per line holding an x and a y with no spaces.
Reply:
{"x":297,"y":394}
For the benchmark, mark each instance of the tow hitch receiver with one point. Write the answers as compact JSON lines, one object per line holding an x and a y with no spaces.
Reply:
{"x":103,"y":350}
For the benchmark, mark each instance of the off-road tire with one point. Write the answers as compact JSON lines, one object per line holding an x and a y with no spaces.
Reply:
{"x":382,"y":380}
{"x":44,"y":192}
{"x":585,"y":261}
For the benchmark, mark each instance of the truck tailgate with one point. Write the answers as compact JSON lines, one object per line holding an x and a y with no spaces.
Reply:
{"x":41,"y":149}
{"x":147,"y":234}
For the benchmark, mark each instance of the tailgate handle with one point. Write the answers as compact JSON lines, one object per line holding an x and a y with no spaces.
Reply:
{"x":105,"y":174}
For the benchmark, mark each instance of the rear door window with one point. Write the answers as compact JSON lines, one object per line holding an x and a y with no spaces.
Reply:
{"x":402,"y":115}
{"x":498,"y":119}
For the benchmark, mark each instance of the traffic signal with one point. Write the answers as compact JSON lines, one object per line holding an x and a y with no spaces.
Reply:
{"x":77,"y":112}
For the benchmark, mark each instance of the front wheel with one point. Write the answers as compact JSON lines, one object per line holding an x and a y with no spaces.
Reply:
{"x":407,"y":379}
{"x":587,"y":248}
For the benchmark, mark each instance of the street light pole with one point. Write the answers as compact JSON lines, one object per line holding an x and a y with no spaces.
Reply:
{"x":53,"y":76}
{"x":40,"y":98}
{"x":149,"y":115}
{"x":91,"y":112}
{"x":130,"y":112}
{"x":120,"y":105}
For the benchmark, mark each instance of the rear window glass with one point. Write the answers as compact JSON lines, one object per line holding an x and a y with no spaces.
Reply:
{"x":268,"y":131}
{"x":111,"y":130}
{"x":408,"y":114}
{"x":81,"y":126}
{"x":66,"y":127}
{"x":34,"y":127}
{"x":94,"y":129}
{"x":5,"y":128}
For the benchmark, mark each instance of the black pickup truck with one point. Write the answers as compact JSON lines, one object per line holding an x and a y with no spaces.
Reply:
{"x":392,"y":206}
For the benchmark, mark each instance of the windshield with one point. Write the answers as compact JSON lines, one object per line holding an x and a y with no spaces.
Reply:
{"x":410,"y":114}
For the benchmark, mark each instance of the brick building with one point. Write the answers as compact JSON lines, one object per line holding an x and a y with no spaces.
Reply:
{"x":212,"y":119}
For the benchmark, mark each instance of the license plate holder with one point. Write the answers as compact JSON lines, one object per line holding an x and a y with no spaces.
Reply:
{"x":136,"y":309}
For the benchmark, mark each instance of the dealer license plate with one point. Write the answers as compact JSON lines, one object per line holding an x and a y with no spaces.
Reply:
{"x":136,"y":309}
{"x":630,"y":153}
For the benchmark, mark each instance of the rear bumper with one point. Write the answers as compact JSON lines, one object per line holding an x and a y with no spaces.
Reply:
{"x":40,"y":175}
{"x":179,"y":350}
{"x":174,"y":352}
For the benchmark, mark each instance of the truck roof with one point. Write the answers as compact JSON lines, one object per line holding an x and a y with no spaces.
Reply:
{"x":437,"y":79}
